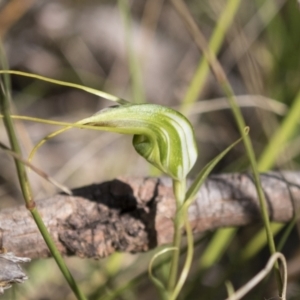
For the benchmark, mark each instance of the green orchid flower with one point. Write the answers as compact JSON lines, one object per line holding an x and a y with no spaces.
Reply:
{"x":163,"y":136}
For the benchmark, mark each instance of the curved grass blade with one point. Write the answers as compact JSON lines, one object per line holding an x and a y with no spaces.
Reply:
{"x":68,"y":84}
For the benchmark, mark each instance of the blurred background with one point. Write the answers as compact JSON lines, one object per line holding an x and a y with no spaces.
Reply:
{"x":142,"y":52}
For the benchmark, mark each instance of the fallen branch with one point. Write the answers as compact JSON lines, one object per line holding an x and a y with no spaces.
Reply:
{"x":135,"y":215}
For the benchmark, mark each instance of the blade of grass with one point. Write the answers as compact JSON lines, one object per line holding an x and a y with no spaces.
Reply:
{"x":216,"y":248}
{"x":257,"y":242}
{"x":135,"y":72}
{"x":217,"y":38}
{"x":68,"y":84}
{"x":266,"y":161}
{"x":280,"y":137}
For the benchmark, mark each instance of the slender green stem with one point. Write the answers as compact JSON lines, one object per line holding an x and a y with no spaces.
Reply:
{"x":26,"y":189}
{"x":250,"y":152}
{"x":189,"y":258}
{"x":179,"y":188}
{"x":56,"y":254}
{"x":21,"y":172}
{"x":175,"y":256}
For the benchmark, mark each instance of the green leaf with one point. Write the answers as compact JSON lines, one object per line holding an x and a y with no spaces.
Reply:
{"x":163,"y":136}
{"x":192,"y":191}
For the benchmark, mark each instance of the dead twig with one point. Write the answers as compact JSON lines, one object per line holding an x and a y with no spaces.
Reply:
{"x":135,"y":214}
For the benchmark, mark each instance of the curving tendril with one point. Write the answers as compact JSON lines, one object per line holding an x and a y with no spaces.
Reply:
{"x":163,"y":136}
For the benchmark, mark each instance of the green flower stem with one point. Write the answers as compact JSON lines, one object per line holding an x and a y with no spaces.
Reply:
{"x":179,"y":188}
{"x":27,"y":193}
{"x":189,"y":258}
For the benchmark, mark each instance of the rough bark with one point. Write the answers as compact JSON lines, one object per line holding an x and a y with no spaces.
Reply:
{"x":135,"y":214}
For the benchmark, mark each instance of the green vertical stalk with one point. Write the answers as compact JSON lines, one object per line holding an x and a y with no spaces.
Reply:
{"x":179,"y":188}
{"x":56,"y":254}
{"x":21,"y":172}
{"x":26,"y":189}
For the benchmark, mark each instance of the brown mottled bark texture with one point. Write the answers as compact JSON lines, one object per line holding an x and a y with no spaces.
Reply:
{"x":135,"y":214}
